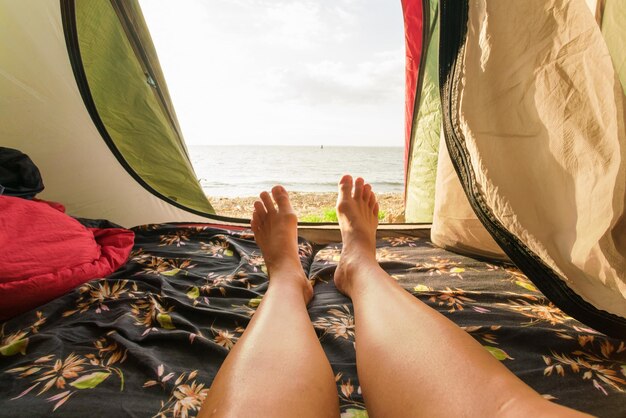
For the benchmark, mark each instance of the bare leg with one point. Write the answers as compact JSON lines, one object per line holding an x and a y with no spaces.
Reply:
{"x":411,"y":360}
{"x":278,"y":367}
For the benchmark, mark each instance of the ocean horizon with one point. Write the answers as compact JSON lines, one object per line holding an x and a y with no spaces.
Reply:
{"x":244,"y":170}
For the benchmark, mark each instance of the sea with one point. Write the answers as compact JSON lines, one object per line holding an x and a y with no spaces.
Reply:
{"x":234,"y":171}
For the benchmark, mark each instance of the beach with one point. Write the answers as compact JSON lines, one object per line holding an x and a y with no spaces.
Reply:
{"x":310,"y":207}
{"x":232,"y":177}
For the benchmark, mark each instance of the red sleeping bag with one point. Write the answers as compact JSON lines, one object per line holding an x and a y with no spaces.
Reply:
{"x":45,"y":253}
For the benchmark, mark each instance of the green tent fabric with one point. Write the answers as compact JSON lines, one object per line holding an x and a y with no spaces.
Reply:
{"x":84,"y":96}
{"x":128,"y":101}
{"x":426,"y":126}
{"x":613,"y":21}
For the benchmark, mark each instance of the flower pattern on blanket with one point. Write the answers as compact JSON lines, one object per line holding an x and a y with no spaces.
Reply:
{"x":150,"y":337}
{"x":64,"y":377}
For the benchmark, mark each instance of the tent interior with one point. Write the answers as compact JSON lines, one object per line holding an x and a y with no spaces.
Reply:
{"x":515,"y":201}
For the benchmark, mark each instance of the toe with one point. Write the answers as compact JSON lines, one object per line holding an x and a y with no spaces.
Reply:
{"x":345,"y":187}
{"x":367,"y":192}
{"x":255,"y":222}
{"x":267,"y":202}
{"x":375,"y":210}
{"x":358,"y":187}
{"x":259,"y":209}
{"x":372,"y":200}
{"x":282,"y":199}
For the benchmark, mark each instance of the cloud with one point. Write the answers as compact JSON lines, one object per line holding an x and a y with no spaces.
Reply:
{"x":259,"y":70}
{"x":367,"y":82}
{"x":301,"y":24}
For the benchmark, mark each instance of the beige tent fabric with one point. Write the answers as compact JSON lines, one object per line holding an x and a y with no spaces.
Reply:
{"x":593,"y":6}
{"x":455,"y":225}
{"x":541,"y":115}
{"x":42,"y":114}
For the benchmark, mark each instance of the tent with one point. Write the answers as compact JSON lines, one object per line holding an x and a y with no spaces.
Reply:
{"x":527,"y":101}
{"x":525,"y":98}
{"x":84,"y":95}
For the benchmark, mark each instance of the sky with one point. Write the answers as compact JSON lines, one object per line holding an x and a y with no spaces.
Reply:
{"x":283,"y":72}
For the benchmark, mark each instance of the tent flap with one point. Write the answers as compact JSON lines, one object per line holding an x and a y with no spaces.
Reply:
{"x":45,"y":114}
{"x":133,"y":113}
{"x":613,"y":18}
{"x":425,"y":126}
{"x":534,"y":125}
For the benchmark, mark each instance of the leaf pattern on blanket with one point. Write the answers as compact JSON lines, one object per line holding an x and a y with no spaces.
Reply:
{"x":67,"y":376}
{"x":150,"y":338}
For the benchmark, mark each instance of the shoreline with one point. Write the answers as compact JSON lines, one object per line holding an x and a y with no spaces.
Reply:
{"x":310,"y":206}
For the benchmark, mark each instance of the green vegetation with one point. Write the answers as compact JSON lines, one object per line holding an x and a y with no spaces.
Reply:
{"x":327,"y":215}
{"x":330,"y":215}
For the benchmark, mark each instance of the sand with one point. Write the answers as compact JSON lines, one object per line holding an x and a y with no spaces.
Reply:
{"x":308,"y":204}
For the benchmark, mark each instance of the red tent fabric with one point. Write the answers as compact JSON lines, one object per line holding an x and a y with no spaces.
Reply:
{"x":413,"y":35}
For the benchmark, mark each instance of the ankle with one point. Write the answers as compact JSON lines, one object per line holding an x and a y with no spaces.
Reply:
{"x":290,"y":282}
{"x":358,"y":255}
{"x":352,"y":270}
{"x":284,"y":266}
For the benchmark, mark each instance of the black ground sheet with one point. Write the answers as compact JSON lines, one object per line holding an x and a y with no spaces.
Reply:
{"x":149,"y":339}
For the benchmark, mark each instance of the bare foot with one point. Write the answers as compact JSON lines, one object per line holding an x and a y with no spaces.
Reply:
{"x":357,"y":210}
{"x":275,"y":230}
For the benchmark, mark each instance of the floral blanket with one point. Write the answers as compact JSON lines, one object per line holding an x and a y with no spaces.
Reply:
{"x":149,"y":339}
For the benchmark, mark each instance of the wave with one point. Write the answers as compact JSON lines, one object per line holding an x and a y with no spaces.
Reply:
{"x":246,"y":171}
{"x":207,"y":183}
